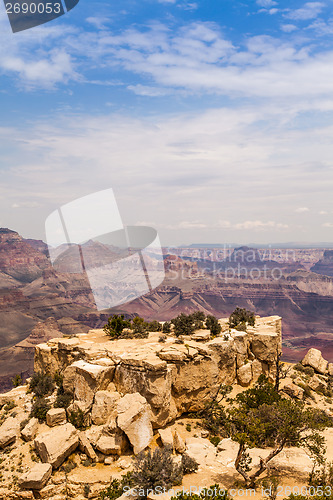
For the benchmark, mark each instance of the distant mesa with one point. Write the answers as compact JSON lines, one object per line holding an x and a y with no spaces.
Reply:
{"x":325,"y":265}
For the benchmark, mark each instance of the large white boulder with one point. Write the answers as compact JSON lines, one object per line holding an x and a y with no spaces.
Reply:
{"x":104,"y":406}
{"x":37,"y":477}
{"x":134,"y":419}
{"x":84,"y":379}
{"x":29,"y":432}
{"x":315,"y":359}
{"x":9,"y":431}
{"x":55,"y":446}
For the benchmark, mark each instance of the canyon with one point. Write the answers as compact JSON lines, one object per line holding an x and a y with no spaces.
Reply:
{"x":37,"y":301}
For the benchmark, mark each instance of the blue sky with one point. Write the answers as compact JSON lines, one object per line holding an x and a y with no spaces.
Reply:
{"x":212,"y":121}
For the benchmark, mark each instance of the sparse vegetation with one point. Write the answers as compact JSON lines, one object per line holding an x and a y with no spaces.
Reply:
{"x":116,"y":325}
{"x":261,"y":417}
{"x":189,"y":464}
{"x":41,"y":384}
{"x":156,"y":469}
{"x":240,"y":318}
{"x":17,"y":380}
{"x":40,"y":408}
{"x":76,"y":418}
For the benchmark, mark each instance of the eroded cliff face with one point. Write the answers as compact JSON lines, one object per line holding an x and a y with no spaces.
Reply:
{"x":174,"y":378}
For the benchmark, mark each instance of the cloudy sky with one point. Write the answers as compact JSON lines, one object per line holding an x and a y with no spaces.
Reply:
{"x":211,"y":120}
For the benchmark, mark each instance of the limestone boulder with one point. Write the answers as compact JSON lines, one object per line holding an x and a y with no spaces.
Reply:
{"x":104,"y":406}
{"x":316,"y":383}
{"x":84,"y":379}
{"x":55,"y":446}
{"x":166,"y":437}
{"x":134,"y":419}
{"x":112,"y":444}
{"x":244,"y":374}
{"x":201,"y":336}
{"x":266,"y":346}
{"x":178,"y":443}
{"x":29,"y":432}
{"x":315,"y":359}
{"x":9,"y":431}
{"x":85,"y":447}
{"x":56,"y":416}
{"x":152,"y":378}
{"x":202,"y":450}
{"x":257,"y":369}
{"x":330,"y":369}
{"x":293,"y":390}
{"x":37,"y":477}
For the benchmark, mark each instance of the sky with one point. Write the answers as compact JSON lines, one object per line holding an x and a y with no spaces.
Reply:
{"x":211,"y":120}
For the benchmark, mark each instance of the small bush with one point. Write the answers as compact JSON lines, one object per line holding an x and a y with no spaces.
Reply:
{"x":116,"y":488}
{"x":213,"y":325}
{"x":24,"y":423}
{"x":240,"y":318}
{"x":154,"y":326}
{"x":188,"y":427}
{"x":162,"y":338}
{"x":39,"y":409}
{"x":166,"y":328}
{"x":76,"y":418}
{"x":158,"y":468}
{"x":63,"y":400}
{"x":17,"y":380}
{"x":41,"y":384}
{"x":115,"y":326}
{"x":189,"y":464}
{"x":214,"y":440}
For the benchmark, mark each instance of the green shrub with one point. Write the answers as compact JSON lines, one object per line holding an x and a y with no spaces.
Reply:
{"x":213,"y":325}
{"x":189,"y":464}
{"x":116,"y":488}
{"x":183,"y":324}
{"x":154,"y":326}
{"x":188,"y":427}
{"x":76,"y":418}
{"x":116,"y":325}
{"x":24,"y":423}
{"x":214,"y":440}
{"x":41,"y":384}
{"x":17,"y":380}
{"x":166,"y":328}
{"x":63,"y":400}
{"x":156,"y":469}
{"x":40,"y":408}
{"x":240,"y":318}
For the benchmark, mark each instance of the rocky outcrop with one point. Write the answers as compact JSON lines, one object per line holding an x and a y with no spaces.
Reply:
{"x":315,"y":359}
{"x":174,"y":378}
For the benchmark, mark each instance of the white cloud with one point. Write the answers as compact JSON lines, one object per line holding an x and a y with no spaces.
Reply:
{"x":227,"y":172}
{"x":328,"y":224}
{"x":288,"y":28}
{"x":302,"y":210}
{"x":266,"y":3}
{"x":310,"y":11}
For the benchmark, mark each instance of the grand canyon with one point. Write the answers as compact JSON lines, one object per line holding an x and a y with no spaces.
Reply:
{"x":37,"y":302}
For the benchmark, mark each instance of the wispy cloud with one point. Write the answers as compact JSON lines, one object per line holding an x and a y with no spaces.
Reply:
{"x":310,"y":11}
